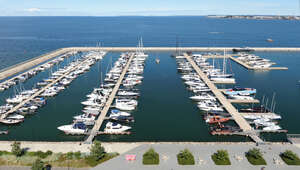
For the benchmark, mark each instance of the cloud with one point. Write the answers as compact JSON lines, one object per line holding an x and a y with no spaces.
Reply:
{"x":33,"y":10}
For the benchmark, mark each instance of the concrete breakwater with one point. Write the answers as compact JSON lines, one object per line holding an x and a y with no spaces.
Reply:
{"x":184,"y":49}
{"x":12,"y":70}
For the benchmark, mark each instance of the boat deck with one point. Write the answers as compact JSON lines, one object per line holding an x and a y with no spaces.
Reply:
{"x":107,"y":106}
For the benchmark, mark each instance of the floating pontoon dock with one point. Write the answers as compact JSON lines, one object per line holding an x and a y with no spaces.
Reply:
{"x":108,"y":103}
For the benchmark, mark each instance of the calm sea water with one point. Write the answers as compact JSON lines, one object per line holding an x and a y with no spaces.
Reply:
{"x":164,"y":112}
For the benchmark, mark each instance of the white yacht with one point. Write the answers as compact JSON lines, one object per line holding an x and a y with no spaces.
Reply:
{"x":203,"y":97}
{"x":240,"y":97}
{"x":272,"y":128}
{"x":127,"y":93}
{"x":77,"y":128}
{"x":85,"y":117}
{"x":15,"y":117}
{"x":116,"y":113}
{"x":112,"y":127}
{"x":125,"y":106}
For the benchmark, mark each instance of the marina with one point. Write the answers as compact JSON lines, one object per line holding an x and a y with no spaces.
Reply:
{"x":228,"y":105}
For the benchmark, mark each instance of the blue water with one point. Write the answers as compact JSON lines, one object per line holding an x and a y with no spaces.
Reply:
{"x":22,"y":38}
{"x":164,"y":113}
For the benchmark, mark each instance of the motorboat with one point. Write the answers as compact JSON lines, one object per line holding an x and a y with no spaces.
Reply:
{"x":272,"y":128}
{"x":15,"y":117}
{"x":116,"y":113}
{"x":202,"y":97}
{"x":125,"y":119}
{"x":113,"y":127}
{"x":85,"y":117}
{"x":125,"y":106}
{"x":240,"y":91}
{"x":216,"y":119}
{"x":11,"y":121}
{"x":240,"y":97}
{"x":127,"y":93}
{"x":77,"y":128}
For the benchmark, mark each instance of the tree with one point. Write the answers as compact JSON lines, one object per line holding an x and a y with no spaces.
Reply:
{"x":97,"y":151}
{"x":38,"y":165}
{"x":16,"y":149}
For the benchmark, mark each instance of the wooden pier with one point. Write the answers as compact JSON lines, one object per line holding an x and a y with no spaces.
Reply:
{"x":108,"y":103}
{"x":242,"y":123}
{"x":18,"y":106}
{"x":252,"y":68}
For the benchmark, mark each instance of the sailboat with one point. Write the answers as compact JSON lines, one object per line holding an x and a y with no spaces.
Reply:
{"x":157,"y":60}
{"x":222,"y":77}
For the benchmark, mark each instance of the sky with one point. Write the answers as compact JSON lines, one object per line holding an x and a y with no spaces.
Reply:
{"x":147,"y":7}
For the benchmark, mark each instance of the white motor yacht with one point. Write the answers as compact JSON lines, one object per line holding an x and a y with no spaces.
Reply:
{"x":77,"y":128}
{"x":116,"y":113}
{"x":203,"y":97}
{"x":240,"y":97}
{"x":272,"y":128}
{"x":15,"y":117}
{"x":112,"y":127}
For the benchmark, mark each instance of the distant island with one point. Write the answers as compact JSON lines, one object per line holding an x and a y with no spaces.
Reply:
{"x":257,"y":17}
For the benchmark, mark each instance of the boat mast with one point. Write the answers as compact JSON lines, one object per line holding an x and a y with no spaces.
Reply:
{"x":224,"y":63}
{"x":272,"y":101}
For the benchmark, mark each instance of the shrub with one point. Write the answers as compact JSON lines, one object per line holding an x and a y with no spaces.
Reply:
{"x":5,"y":153}
{"x":151,"y":157}
{"x":16,"y":149}
{"x":39,"y":154}
{"x":185,"y":157}
{"x":221,"y":158}
{"x":255,"y":157}
{"x":77,"y":155}
{"x":290,"y":158}
{"x":97,"y":150}
{"x":69,"y":155}
{"x":91,"y":160}
{"x":49,"y":153}
{"x":38,"y":165}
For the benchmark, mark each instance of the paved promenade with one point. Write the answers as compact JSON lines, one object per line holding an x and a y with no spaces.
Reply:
{"x":202,"y":153}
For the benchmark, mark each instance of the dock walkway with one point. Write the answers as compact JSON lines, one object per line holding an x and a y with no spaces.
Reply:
{"x":242,"y":123}
{"x":104,"y":111}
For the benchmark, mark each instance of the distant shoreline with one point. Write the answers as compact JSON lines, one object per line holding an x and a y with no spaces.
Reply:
{"x":257,"y":17}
